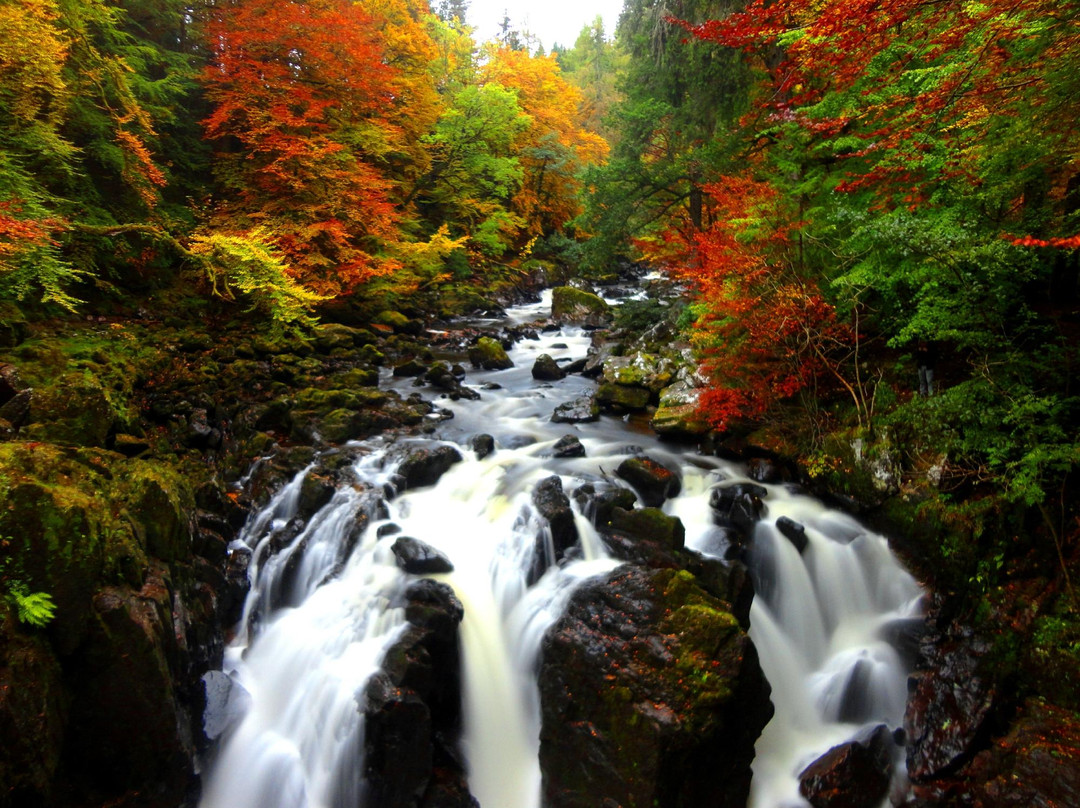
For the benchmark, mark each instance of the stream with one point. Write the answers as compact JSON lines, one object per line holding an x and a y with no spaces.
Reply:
{"x":307,"y":645}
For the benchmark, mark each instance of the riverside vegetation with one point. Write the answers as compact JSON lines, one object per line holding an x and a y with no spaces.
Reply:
{"x":212,"y":237}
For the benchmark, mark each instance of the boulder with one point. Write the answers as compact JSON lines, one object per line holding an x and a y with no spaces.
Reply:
{"x":423,"y":466}
{"x":419,"y":558}
{"x":483,"y":445}
{"x":441,"y":377}
{"x":553,"y":506}
{"x":599,"y":503}
{"x":16,"y":410}
{"x":622,"y":397}
{"x":654,"y":482}
{"x":75,"y":410}
{"x":738,"y":506}
{"x":678,"y":414}
{"x":577,"y":307}
{"x":793,"y":532}
{"x":649,"y":524}
{"x":851,"y":775}
{"x":676,"y":696}
{"x":581,"y":410}
{"x":547,"y":369}
{"x":640,"y":369}
{"x":410,"y":369}
{"x":489,"y":354}
{"x":767,"y":470}
{"x":568,"y":446}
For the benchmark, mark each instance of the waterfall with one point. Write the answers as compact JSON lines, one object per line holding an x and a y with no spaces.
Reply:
{"x":321,"y":612}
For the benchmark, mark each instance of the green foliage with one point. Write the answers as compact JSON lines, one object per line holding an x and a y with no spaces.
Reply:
{"x":251,"y":264}
{"x":32,"y":608}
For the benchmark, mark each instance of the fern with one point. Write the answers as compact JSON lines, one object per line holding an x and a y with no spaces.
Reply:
{"x":33,"y":608}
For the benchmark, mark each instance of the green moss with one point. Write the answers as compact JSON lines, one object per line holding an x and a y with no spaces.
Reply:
{"x":623,"y":397}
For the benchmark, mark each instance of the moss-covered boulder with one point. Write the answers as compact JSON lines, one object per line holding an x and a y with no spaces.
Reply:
{"x":676,"y":696}
{"x":679,"y":414}
{"x":489,"y":354}
{"x":622,"y":398}
{"x":578,"y":307}
{"x":75,"y":410}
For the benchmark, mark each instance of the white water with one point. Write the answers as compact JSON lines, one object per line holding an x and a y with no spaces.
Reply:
{"x":320,"y":634}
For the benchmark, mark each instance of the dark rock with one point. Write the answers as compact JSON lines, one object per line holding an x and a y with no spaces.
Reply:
{"x":130,"y":446}
{"x":568,"y":446}
{"x":397,"y":742}
{"x":409,"y":369}
{"x":1036,"y":764}
{"x":17,"y":409}
{"x":483,"y":445}
{"x":677,"y":696}
{"x":425,"y":466}
{"x":226,"y":703}
{"x":766,"y":470}
{"x":547,"y":369}
{"x":580,"y":410}
{"x":953,"y":706}
{"x":389,"y":529}
{"x":419,"y":558}
{"x":654,"y":482}
{"x":316,"y":490}
{"x":793,"y":532}
{"x":852,"y":775}
{"x":577,"y":366}
{"x":201,"y":434}
{"x":905,"y":635}
{"x":738,"y":506}
{"x":650,"y":524}
{"x":554,"y":506}
{"x":441,"y":377}
{"x":10,"y":383}
{"x":489,"y":355}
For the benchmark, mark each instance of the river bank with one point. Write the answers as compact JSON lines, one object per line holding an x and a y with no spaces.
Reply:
{"x":134,"y":460}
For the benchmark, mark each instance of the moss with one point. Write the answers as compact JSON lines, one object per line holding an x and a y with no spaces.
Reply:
{"x":489,"y":354}
{"x":568,"y":303}
{"x":623,"y":397}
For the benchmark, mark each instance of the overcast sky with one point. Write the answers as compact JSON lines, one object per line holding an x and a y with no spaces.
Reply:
{"x":553,"y":21}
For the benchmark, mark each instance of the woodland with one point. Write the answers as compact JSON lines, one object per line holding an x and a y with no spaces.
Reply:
{"x":827,"y":184}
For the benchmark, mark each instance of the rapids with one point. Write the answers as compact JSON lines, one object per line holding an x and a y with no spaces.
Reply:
{"x":308,"y":642}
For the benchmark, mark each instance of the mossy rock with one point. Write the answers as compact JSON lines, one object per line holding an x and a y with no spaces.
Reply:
{"x":13,"y":326}
{"x":489,"y":354}
{"x":622,"y":397}
{"x":578,"y":307}
{"x":640,"y":370}
{"x":159,"y":500}
{"x":75,"y":410}
{"x":650,"y":524}
{"x":679,"y":413}
{"x":394,"y":319}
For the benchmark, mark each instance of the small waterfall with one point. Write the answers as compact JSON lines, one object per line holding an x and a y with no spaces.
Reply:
{"x":321,"y":612}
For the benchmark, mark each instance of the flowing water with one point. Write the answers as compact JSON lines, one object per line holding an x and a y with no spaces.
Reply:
{"x":316,"y":625}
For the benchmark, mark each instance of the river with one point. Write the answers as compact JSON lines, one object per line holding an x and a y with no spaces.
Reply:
{"x":817,"y":617}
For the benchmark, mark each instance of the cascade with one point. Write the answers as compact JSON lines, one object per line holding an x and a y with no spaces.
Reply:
{"x":323,"y":606}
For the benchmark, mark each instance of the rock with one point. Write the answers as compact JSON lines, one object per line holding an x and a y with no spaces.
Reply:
{"x":443,"y":378}
{"x":677,"y":697}
{"x":554,"y":506}
{"x":649,"y":524}
{"x":766,"y":470}
{"x":201,"y":434}
{"x":578,"y":307}
{"x":577,"y":366}
{"x":581,"y":410}
{"x":483,"y":445}
{"x":75,"y":411}
{"x":409,"y":369}
{"x":423,"y":466}
{"x":568,"y":446}
{"x":1036,"y":764}
{"x":738,"y":506}
{"x":226,"y":703}
{"x":489,"y":355}
{"x":419,"y":558}
{"x":547,"y":369}
{"x":851,"y":775}
{"x":331,"y":337}
{"x":392,"y":319}
{"x":793,"y":531}
{"x":678,"y":413}
{"x":622,"y":398}
{"x":952,"y":704}
{"x":10,"y":383}
{"x":654,"y":482}
{"x":316,"y":490}
{"x":640,"y":369}
{"x":17,"y":409}
{"x":414,"y":704}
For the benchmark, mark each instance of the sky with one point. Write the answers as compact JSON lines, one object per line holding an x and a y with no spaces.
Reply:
{"x":553,"y":21}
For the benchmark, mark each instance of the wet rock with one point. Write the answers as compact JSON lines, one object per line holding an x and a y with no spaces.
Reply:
{"x":316,"y":490}
{"x":622,"y":398}
{"x":226,"y":703}
{"x":489,"y":355}
{"x":331,"y":337}
{"x":852,"y":775}
{"x":577,"y":366}
{"x":410,"y":369}
{"x":677,"y":696}
{"x":547,"y":369}
{"x":654,"y":482}
{"x":554,"y":506}
{"x":952,"y":705}
{"x":793,"y":532}
{"x":640,"y":370}
{"x":578,"y":307}
{"x":580,"y":410}
{"x":766,"y":470}
{"x":413,"y":707}
{"x":568,"y":446}
{"x":649,"y":524}
{"x":598,"y":500}
{"x":738,"y":506}
{"x":905,"y":635}
{"x":201,"y":433}
{"x":443,"y":378}
{"x":483,"y":445}
{"x":423,"y":466}
{"x":419,"y":558}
